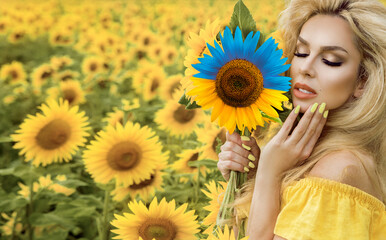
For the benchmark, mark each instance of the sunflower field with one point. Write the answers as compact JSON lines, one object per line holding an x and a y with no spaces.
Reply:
{"x":94,"y":141}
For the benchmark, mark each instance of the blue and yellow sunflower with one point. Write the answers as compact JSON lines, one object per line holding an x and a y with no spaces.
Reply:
{"x":240,"y":82}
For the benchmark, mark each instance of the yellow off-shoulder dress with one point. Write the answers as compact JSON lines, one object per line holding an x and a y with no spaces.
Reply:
{"x":321,"y":209}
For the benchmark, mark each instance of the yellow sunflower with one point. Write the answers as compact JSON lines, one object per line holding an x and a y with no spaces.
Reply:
{"x":61,"y":36}
{"x":17,"y":34}
{"x":145,"y":189}
{"x":168,"y":55}
{"x":171,"y":84}
{"x":186,"y":156}
{"x":67,"y":75}
{"x":129,"y":154}
{"x":208,"y":137}
{"x":5,"y":25}
{"x":13,"y":72}
{"x":216,"y":196}
{"x":41,"y":74}
{"x":177,"y":120}
{"x":152,"y":84}
{"x":53,"y":136}
{"x":117,"y":116}
{"x":92,"y":65}
{"x":161,"y":221}
{"x":198,"y":47}
{"x":72,"y":91}
{"x":225,"y":235}
{"x":59,"y":63}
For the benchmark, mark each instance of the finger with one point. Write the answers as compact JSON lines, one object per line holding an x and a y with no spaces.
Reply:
{"x":303,"y":124}
{"x":282,"y":135}
{"x":227,"y":165}
{"x":311,"y":143}
{"x":255,"y":149}
{"x":234,"y":157}
{"x":313,"y":126}
{"x":234,"y":137}
{"x":236,"y":148}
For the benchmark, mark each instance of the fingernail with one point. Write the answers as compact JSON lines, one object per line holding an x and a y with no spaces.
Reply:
{"x":251,"y":165}
{"x":245,"y":138}
{"x":251,"y":157}
{"x":325,"y":114}
{"x":246,"y":169}
{"x":246,"y":147}
{"x":297,"y":109}
{"x":313,"y":108}
{"x":322,"y":107}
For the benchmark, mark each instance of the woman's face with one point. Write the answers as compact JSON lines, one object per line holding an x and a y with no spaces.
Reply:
{"x":326,"y":63}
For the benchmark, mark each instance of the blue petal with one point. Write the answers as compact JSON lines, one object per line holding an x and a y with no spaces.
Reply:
{"x":248,"y":49}
{"x":276,"y":69}
{"x":238,"y":43}
{"x":205,"y":76}
{"x":227,"y":43}
{"x":204,"y":68}
{"x":262,"y":54}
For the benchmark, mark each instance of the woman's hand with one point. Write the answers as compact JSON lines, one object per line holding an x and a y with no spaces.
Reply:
{"x":286,"y":149}
{"x":238,"y":154}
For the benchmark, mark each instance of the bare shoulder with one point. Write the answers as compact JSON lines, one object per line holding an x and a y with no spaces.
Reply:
{"x":346,"y":167}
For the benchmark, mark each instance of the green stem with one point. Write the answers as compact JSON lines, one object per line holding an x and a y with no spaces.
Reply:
{"x":29,"y":210}
{"x":106,"y":224}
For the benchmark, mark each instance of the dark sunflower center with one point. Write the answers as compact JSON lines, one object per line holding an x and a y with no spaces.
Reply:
{"x":124,"y":155}
{"x":183,"y":115}
{"x":222,"y":136}
{"x":160,"y":229}
{"x":154,"y":84}
{"x":143,"y":184}
{"x":193,"y":158}
{"x":54,"y":134}
{"x":69,"y":95}
{"x":93,"y":67}
{"x":239,"y":83}
{"x":14,"y":74}
{"x":47,"y":74}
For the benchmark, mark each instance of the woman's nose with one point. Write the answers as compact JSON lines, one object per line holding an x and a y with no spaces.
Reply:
{"x":307,"y":67}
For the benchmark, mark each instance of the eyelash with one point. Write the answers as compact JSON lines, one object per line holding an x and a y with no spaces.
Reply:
{"x":332,"y":64}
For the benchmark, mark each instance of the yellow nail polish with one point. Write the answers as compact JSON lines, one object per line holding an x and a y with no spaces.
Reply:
{"x":251,"y":157}
{"x":246,"y":147}
{"x":297,"y":109}
{"x":313,"y":108}
{"x":251,"y":165}
{"x":322,"y":107}
{"x":245,"y":138}
{"x":246,"y":169}
{"x":325,"y":114}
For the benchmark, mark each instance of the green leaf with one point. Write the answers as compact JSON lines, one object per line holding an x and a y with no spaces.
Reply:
{"x":193,"y":105}
{"x":41,"y":219}
{"x":5,"y":139}
{"x":184,"y":100}
{"x":12,"y":202}
{"x":242,"y":17}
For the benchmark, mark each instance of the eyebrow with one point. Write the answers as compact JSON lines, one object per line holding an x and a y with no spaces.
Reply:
{"x":324,"y":48}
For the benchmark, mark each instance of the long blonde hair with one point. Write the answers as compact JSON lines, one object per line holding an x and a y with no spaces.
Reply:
{"x":359,"y":124}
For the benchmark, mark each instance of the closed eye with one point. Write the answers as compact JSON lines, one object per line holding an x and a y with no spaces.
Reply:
{"x":333,"y":64}
{"x":300,"y":54}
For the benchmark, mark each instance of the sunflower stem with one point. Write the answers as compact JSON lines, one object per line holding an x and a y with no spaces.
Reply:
{"x":105,"y":224}
{"x":29,"y":207}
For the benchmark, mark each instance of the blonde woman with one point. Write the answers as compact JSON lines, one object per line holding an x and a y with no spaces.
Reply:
{"x":323,"y":177}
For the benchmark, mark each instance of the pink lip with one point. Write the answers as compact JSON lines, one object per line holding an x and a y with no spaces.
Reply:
{"x":303,"y":95}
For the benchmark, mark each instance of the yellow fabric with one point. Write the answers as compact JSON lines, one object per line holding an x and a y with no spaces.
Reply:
{"x":320,"y":209}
